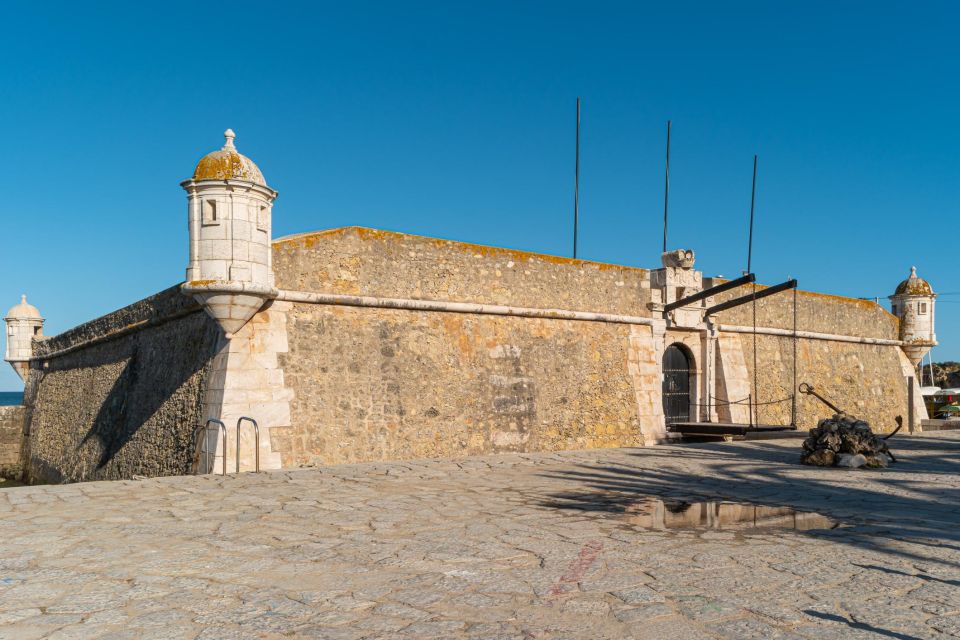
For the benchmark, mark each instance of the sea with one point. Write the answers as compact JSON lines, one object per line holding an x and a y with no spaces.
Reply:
{"x":10,"y":397}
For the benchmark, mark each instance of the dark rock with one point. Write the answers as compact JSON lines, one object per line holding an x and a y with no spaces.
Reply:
{"x":841,"y":438}
{"x":819,"y":458}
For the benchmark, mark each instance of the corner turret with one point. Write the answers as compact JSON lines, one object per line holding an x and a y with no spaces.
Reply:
{"x":229,"y":213}
{"x":24,"y":323}
{"x":914,"y":304}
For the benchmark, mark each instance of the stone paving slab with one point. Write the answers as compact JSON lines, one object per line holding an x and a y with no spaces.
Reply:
{"x":517,"y":546}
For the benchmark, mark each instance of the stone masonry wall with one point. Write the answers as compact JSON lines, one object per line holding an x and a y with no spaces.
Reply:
{"x":374,"y":384}
{"x":864,"y":380}
{"x":360,"y":261}
{"x":120,"y":396}
{"x":245,"y":379}
{"x":815,"y":312}
{"x":12,"y":424}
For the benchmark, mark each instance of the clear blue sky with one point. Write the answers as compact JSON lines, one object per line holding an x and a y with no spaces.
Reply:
{"x":455,"y":119}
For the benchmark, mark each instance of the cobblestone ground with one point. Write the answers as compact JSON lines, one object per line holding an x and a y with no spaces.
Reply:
{"x":531,"y":546}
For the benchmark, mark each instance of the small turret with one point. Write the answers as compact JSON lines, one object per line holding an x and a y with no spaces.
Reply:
{"x":229,"y":213}
{"x":24,"y":323}
{"x":914,"y":303}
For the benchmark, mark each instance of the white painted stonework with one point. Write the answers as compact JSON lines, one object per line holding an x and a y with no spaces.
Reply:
{"x":246,"y":380}
{"x":677,"y":279}
{"x":919,"y":407}
{"x":230,"y":210}
{"x":914,"y":303}
{"x":643,"y":365}
{"x":733,"y":380}
{"x":24,"y":323}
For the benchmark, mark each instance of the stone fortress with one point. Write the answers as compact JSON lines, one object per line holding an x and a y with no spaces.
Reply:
{"x":355,"y":344}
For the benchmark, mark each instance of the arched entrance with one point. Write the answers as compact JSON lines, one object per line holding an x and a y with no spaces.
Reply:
{"x":676,"y":385}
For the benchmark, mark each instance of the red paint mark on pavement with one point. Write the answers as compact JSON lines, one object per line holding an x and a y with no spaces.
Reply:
{"x":584,"y":560}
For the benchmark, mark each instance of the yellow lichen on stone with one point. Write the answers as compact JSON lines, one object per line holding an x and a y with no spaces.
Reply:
{"x":227,"y":164}
{"x":918,"y":287}
{"x":309,"y":239}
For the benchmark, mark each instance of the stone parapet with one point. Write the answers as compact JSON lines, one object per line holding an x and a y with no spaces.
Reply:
{"x":166,"y":305}
{"x":367,"y":262}
{"x":816,"y":312}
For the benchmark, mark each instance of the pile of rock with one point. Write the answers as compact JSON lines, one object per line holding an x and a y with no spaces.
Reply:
{"x":844,"y":441}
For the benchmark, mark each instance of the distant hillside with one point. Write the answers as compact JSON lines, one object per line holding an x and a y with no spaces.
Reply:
{"x":946,"y":374}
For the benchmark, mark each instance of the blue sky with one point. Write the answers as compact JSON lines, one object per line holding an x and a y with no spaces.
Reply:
{"x":455,"y":120}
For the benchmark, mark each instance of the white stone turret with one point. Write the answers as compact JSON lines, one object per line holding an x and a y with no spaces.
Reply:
{"x":229,"y":212}
{"x":914,"y":304}
{"x":24,"y":323}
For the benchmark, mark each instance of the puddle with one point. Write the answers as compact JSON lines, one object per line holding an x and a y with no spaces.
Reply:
{"x":654,"y":513}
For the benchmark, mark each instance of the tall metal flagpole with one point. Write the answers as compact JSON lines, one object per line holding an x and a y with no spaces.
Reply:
{"x":666,"y":190}
{"x":753,"y":199}
{"x":576,"y":185}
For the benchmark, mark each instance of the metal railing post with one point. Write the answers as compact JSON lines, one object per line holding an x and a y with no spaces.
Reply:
{"x":910,"y":419}
{"x":203,"y":447}
{"x":256,"y":449}
{"x":238,"y":446}
{"x":205,"y":429}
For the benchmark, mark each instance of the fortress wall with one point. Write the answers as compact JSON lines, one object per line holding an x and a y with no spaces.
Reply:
{"x":376,"y":384}
{"x":373,"y":384}
{"x":864,"y":380}
{"x":121,"y":395}
{"x":817,"y":312}
{"x":13,"y":421}
{"x":368,"y":262}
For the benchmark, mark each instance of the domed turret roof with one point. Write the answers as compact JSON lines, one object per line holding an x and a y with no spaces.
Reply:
{"x":914,"y":285}
{"x":228,"y":164}
{"x":24,"y":311}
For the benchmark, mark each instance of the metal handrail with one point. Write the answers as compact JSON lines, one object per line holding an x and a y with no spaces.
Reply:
{"x":205,"y":449}
{"x":256,"y":448}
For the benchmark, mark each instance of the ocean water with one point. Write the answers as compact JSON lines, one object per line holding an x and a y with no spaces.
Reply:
{"x":10,"y":397}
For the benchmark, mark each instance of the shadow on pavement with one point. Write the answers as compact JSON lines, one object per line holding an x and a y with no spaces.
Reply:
{"x":921,"y":511}
{"x":860,"y":626}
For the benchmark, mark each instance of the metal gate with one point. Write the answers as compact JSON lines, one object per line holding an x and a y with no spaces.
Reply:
{"x":676,"y":385}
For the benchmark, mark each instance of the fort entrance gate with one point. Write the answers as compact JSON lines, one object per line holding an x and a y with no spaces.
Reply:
{"x":676,"y":385}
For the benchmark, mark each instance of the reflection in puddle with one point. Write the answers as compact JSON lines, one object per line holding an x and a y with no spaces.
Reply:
{"x":653,"y":513}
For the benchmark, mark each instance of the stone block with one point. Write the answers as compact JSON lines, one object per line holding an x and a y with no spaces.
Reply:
{"x":215,"y":250}
{"x":242,"y":231}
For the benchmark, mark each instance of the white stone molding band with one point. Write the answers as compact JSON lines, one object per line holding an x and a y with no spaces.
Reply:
{"x":228,"y":286}
{"x":811,"y":335}
{"x":456,"y":307}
